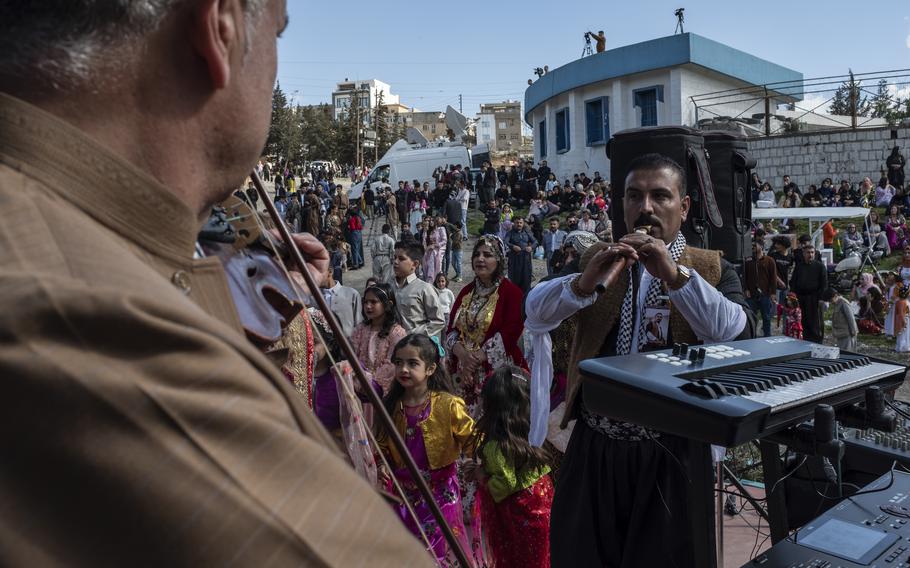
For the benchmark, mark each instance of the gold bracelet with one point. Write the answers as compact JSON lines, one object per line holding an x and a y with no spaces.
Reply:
{"x":577,"y":290}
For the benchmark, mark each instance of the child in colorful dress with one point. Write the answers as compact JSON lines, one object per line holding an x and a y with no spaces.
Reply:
{"x":517,"y":491}
{"x":902,"y":320}
{"x":436,"y":427}
{"x":793,"y":316}
{"x":326,"y":354}
{"x":505,"y":221}
{"x":375,"y":337}
{"x":891,"y":289}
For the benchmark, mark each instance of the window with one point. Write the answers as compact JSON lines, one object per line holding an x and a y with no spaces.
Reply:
{"x":502,"y":136}
{"x":597,"y":121}
{"x":562,"y":131}
{"x":503,"y":125}
{"x":646,"y":100}
{"x":542,"y":138}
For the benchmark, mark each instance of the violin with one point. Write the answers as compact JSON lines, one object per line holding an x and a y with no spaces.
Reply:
{"x":267,"y":299}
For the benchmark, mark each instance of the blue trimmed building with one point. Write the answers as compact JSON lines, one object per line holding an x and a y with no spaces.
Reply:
{"x":574,"y":109}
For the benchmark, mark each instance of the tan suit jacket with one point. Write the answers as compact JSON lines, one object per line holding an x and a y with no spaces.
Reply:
{"x":137,"y":424}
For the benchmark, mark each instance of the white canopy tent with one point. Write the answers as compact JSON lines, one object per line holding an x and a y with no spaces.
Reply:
{"x":813,"y":214}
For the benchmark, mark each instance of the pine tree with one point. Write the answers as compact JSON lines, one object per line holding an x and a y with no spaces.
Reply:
{"x":278,"y":126}
{"x":318,"y":132}
{"x":881,"y":104}
{"x":840,"y":104}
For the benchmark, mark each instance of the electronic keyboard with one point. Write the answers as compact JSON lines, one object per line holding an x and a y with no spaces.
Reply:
{"x":733,"y":392}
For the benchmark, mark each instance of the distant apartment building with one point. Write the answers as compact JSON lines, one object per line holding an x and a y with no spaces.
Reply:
{"x":432,"y":124}
{"x":500,"y":126}
{"x":365,"y":93}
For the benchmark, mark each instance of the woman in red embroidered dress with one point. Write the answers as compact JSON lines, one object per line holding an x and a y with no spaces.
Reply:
{"x":485,"y":322}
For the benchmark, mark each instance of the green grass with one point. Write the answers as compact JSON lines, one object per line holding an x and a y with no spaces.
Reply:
{"x":475,"y":220}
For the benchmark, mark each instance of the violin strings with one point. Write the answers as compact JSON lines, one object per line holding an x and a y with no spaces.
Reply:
{"x":374,"y":443}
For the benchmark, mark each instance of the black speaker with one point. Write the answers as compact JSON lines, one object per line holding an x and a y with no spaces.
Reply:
{"x":731,"y":168}
{"x":686,"y":147}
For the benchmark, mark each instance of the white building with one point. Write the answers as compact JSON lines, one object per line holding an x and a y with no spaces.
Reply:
{"x":366,"y":92}
{"x":574,"y":109}
{"x":486,"y":128}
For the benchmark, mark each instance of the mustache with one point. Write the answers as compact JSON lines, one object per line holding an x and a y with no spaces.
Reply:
{"x":646,"y":220}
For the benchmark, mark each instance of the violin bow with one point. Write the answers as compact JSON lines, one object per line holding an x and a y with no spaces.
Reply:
{"x":348,"y":351}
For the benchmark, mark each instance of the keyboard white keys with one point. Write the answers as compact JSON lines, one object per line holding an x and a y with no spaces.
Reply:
{"x":795,"y":394}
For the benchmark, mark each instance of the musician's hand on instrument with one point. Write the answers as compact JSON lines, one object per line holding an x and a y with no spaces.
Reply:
{"x":605,"y":266}
{"x":314,"y":253}
{"x":653,"y":254}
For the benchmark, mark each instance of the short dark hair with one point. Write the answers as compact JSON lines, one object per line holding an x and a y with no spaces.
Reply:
{"x":414,"y":250}
{"x":654,"y":161}
{"x":780,"y":240}
{"x":829,"y":294}
{"x":386,"y":229}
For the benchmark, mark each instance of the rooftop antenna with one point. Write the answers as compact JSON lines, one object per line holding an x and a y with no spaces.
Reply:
{"x":680,"y":19}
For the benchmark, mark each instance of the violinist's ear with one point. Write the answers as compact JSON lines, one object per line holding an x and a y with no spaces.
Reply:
{"x":217,"y":28}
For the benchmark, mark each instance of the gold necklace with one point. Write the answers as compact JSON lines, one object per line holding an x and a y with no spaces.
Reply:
{"x":410,"y":431}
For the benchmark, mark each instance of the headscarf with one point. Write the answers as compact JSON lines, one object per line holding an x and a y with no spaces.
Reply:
{"x":496,"y":245}
{"x":865,"y":283}
{"x":580,"y":241}
{"x":325,"y":331}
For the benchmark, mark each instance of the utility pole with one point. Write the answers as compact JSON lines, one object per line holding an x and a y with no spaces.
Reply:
{"x":853,"y":89}
{"x":357,"y":128}
{"x":767,"y":113}
{"x":459,"y":105}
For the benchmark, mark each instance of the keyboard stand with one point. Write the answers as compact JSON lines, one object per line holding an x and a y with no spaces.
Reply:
{"x":700,"y":498}
{"x":778,"y":521}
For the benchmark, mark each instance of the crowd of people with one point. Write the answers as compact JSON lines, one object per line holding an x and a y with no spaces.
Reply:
{"x":452,"y":369}
{"x":467,"y":352}
{"x":145,"y":420}
{"x":793,"y":280}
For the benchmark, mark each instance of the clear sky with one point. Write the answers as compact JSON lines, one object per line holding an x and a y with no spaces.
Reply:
{"x":432,"y":51}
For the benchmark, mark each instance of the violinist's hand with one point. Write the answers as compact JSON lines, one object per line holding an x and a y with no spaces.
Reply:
{"x":315,"y":255}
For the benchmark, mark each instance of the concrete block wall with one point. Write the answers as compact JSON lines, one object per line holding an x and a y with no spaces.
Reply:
{"x":809,"y":157}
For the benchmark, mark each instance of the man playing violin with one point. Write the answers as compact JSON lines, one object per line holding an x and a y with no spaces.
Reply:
{"x":139,"y":425}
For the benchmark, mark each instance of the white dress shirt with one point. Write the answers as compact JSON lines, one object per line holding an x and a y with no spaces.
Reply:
{"x":711,"y":316}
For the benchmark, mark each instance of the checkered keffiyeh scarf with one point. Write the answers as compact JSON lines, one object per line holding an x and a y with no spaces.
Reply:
{"x":624,"y":339}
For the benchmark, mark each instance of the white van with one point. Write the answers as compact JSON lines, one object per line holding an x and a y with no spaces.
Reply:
{"x":404,"y":163}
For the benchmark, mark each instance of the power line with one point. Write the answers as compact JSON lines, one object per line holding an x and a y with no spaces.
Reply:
{"x":438,"y":63}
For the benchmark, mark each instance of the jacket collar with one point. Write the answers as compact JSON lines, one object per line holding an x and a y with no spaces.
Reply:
{"x":105,"y":186}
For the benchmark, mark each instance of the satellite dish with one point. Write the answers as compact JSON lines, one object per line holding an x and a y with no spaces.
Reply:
{"x":414,"y":136}
{"x":456,"y":122}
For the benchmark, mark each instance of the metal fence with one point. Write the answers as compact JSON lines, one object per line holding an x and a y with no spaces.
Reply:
{"x":857,"y":88}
